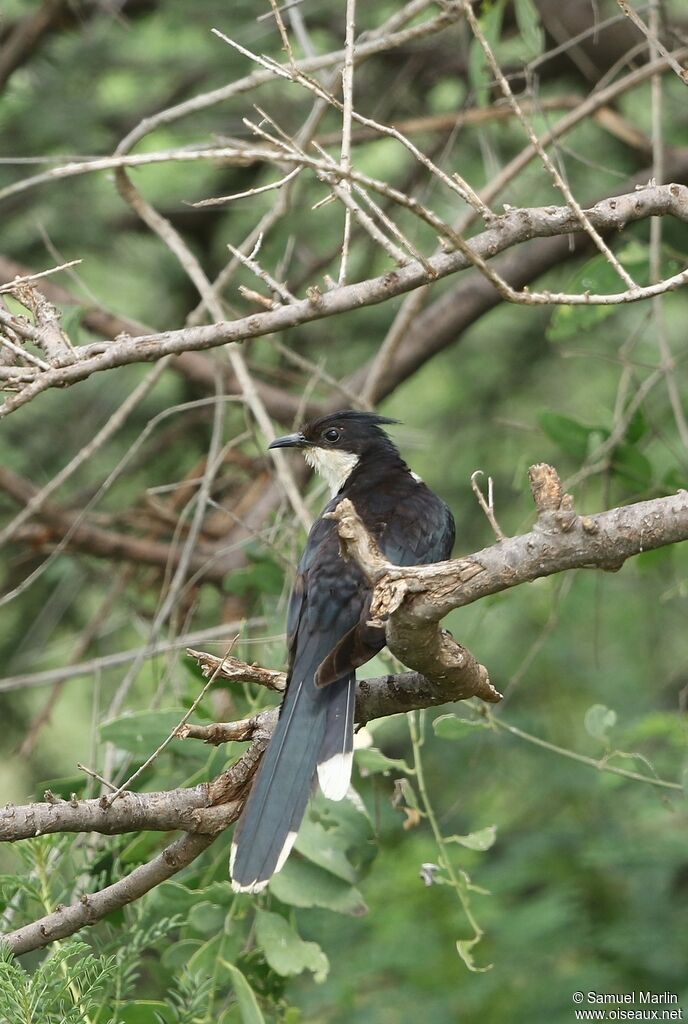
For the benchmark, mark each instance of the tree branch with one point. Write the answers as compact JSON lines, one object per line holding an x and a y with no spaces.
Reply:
{"x":411,"y":601}
{"x":510,"y":229}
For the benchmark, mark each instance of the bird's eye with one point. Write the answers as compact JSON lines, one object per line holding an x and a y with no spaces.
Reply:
{"x":332,"y":435}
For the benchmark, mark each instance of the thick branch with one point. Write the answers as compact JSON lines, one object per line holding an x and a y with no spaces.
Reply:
{"x":132,"y":812}
{"x":411,"y":601}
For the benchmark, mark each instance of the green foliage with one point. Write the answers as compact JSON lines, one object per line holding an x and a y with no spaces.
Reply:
{"x":285,"y":951}
{"x":65,"y":989}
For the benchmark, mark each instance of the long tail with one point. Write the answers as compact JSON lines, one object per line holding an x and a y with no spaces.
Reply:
{"x":314,"y":733}
{"x":336,"y":751}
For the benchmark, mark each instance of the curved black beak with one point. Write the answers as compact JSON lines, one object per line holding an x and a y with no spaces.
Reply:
{"x":289,"y":441}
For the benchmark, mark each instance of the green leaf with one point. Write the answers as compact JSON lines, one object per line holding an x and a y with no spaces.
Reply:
{"x":632,"y":467}
{"x":370,"y":761}
{"x":303,"y":884}
{"x":571,"y":436}
{"x":175,"y":898}
{"x":285,"y":950}
{"x":597,"y":276}
{"x":452,"y":727}
{"x":637,"y":427}
{"x":177,"y":954}
{"x":143,"y":731}
{"x":675,"y":480}
{"x":326,"y":848}
{"x":483,"y":839}
{"x":463,"y":948}
{"x":529,"y":28}
{"x":246,"y":999}
{"x":207,"y":918}
{"x":599,"y":720}
{"x":143,"y":1011}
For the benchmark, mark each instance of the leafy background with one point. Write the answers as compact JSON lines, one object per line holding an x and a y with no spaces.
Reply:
{"x":586,"y":882}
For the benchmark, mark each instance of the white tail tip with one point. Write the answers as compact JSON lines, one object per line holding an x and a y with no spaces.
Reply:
{"x":258,"y":886}
{"x":334,"y":776}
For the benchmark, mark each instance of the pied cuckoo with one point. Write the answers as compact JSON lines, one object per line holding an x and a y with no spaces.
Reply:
{"x":328,"y":632}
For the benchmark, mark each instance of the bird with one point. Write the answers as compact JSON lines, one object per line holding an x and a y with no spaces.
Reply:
{"x":328,"y":632}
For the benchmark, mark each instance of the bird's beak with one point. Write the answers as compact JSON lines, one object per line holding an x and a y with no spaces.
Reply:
{"x":289,"y":441}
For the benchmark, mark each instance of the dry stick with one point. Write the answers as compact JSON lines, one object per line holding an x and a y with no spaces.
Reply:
{"x":272,"y":186}
{"x":48,"y":677}
{"x":83,"y":642}
{"x":30,"y":278}
{"x":651,"y":34}
{"x":180,"y":725}
{"x":487,"y":506}
{"x":455,"y":184}
{"x":304,"y":135}
{"x":291,"y":152}
{"x":17,"y":350}
{"x":392,"y":228}
{"x":565,"y":124}
{"x":109,"y":428}
{"x":282,"y":31}
{"x":398,"y":257}
{"x":541,"y":151}
{"x":255,"y":267}
{"x":378,"y":41}
{"x":173,"y":240}
{"x":347,"y":110}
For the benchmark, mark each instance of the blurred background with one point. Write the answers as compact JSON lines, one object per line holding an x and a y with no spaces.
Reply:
{"x":582,"y":884}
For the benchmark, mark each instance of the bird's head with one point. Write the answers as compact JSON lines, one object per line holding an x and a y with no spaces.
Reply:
{"x":334,"y":445}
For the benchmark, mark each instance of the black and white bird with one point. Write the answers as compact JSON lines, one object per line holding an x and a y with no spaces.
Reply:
{"x":328,"y":632}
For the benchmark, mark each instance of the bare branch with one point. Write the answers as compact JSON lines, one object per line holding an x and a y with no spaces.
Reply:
{"x":513,"y":227}
{"x":412,"y":601}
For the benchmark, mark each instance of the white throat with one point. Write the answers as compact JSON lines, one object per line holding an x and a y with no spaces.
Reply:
{"x":333,"y":466}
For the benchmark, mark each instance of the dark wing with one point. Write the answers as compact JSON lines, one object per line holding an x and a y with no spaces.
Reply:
{"x":421,"y":530}
{"x":315,"y":727}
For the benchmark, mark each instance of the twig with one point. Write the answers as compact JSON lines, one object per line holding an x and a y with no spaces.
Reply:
{"x":30,"y":278}
{"x":175,"y":732}
{"x":347,"y":110}
{"x":275,"y":286}
{"x":487,"y":506}
{"x":650,"y":33}
{"x":258,"y":190}
{"x":94,"y":775}
{"x":542,"y":153}
{"x":48,"y":677}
